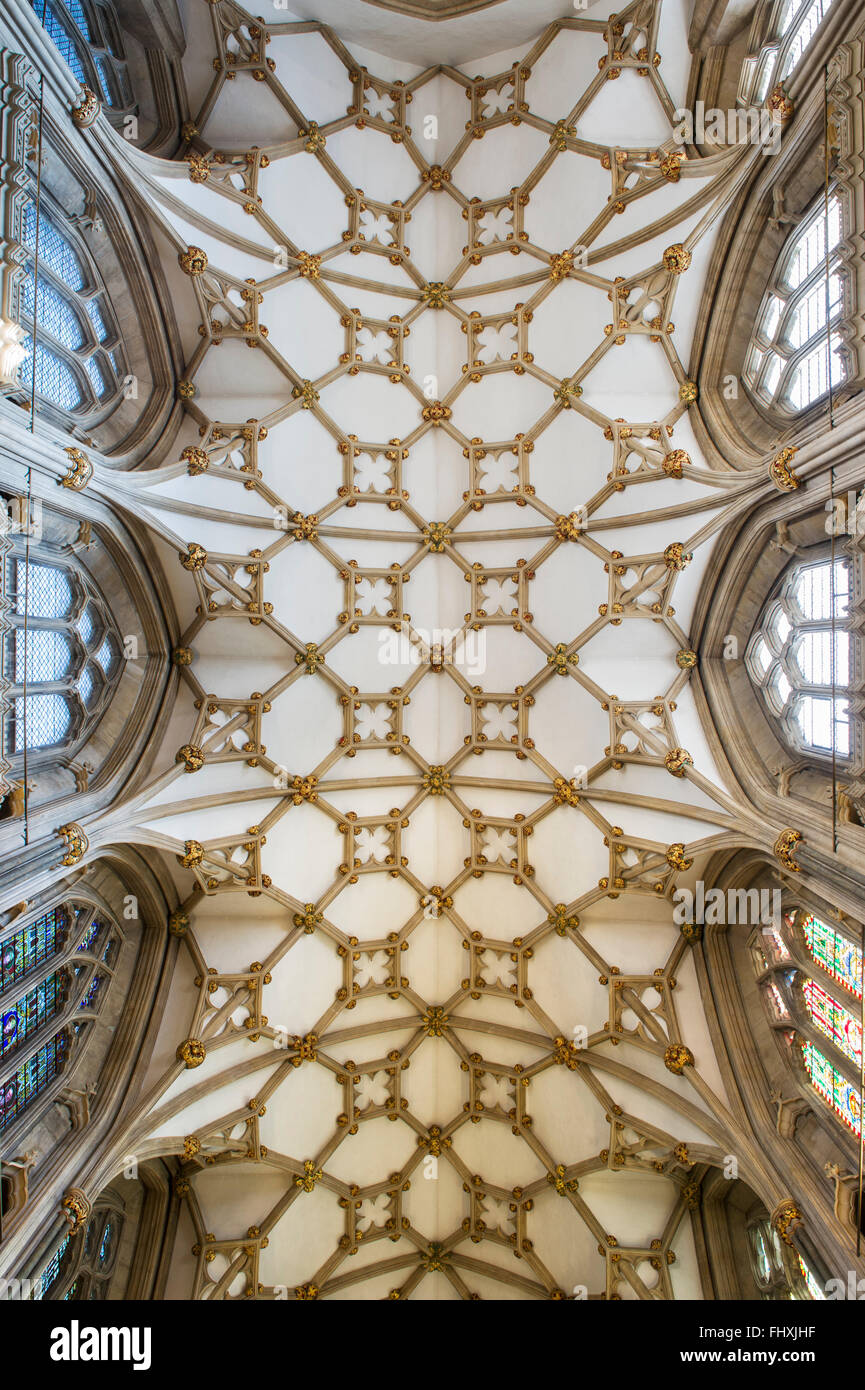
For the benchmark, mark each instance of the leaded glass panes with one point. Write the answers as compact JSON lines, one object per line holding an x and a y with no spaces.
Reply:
{"x":71,"y":322}
{"x":54,"y":380}
{"x":32,"y":946}
{"x":90,"y":935}
{"x":43,"y":591}
{"x":813,"y":15}
{"x":56,"y":315}
{"x":30,"y":1080}
{"x":43,"y":724}
{"x":86,"y":36}
{"x":51,"y":1272}
{"x":832,"y":1086}
{"x":89,"y":997}
{"x":47,"y":655}
{"x":789,"y":362}
{"x":55,"y":251}
{"x":37,"y":1008}
{"x":803,"y":651}
{"x":106,"y":655}
{"x":69,"y":649}
{"x":97,"y":320}
{"x":833,"y":1020}
{"x":812,"y":1284}
{"x":838,"y":956}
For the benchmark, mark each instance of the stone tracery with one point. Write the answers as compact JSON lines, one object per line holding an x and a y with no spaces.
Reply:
{"x":490,"y":886}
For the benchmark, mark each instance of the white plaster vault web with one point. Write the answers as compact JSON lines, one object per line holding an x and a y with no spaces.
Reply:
{"x":416,"y":890}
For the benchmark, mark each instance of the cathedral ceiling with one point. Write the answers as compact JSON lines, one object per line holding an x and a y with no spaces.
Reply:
{"x":435,"y":529}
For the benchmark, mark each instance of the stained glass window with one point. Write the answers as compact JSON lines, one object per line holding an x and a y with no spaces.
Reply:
{"x":32,"y":946}
{"x":106,"y":1243}
{"x":832,"y":1086}
{"x":36,"y":1073}
{"x":838,"y":956}
{"x":789,"y":362}
{"x":59,"y":1002}
{"x":51,"y":1272}
{"x":838,"y":1025}
{"x":90,"y":935}
{"x":813,"y":1285}
{"x":801,"y":654}
{"x":92,"y":991}
{"x":30,"y":1013}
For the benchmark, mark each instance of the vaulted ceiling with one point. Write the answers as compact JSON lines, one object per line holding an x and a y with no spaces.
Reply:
{"x":435,"y":528}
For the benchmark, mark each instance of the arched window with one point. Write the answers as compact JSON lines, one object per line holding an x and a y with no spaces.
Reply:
{"x":57,"y":969}
{"x":87,"y":36}
{"x":789,"y":364}
{"x":791,"y":656}
{"x":810,"y":975}
{"x":791,"y":29}
{"x":80,"y":364}
{"x":62,"y":656}
{"x":799,"y":22}
{"x":82,"y":1266}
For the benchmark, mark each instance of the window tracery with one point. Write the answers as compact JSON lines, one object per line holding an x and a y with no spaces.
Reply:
{"x":86,"y":34}
{"x":80,"y":363}
{"x":810,"y":974}
{"x":62,"y":652}
{"x":789,"y":365}
{"x":82,"y":1266}
{"x":56,"y":972}
{"x":803,"y":656}
{"x":791,"y":29}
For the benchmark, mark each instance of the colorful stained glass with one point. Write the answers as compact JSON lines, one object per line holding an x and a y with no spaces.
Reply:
{"x":91,"y":934}
{"x":814,"y":1288}
{"x":51,"y":1272}
{"x":30,"y":1080}
{"x":31,"y":946}
{"x":775,"y":942}
{"x":832,"y":1086}
{"x":837,"y":955}
{"x":107,"y":1242}
{"x":92,"y":991}
{"x":779,"y":1008}
{"x":838,"y":1025}
{"x":35,"y":1009}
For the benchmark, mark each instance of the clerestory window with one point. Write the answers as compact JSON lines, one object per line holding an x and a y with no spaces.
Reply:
{"x":794,"y":358}
{"x":802,"y":657}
